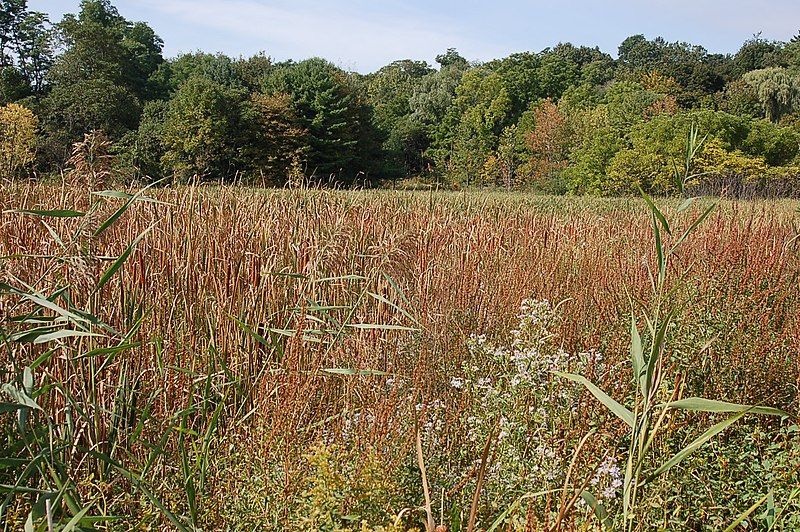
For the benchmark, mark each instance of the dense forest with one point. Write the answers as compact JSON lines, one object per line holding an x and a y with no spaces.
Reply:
{"x":95,"y":89}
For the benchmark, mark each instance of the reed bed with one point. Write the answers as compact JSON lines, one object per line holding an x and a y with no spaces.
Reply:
{"x":275,"y":316}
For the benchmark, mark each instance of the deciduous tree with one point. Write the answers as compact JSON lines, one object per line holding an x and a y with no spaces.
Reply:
{"x":17,"y":140}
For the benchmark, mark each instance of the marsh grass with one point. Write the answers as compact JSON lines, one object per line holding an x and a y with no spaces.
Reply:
{"x":299,"y":318}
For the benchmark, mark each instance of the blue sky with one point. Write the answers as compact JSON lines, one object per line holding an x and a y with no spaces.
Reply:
{"x":363,"y":35}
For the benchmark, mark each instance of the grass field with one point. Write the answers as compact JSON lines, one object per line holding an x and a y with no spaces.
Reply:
{"x":266,"y":360}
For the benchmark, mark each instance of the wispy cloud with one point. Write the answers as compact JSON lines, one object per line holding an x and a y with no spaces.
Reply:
{"x":370,"y":34}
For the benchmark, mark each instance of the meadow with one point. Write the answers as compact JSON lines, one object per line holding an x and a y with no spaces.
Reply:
{"x":222,"y":358}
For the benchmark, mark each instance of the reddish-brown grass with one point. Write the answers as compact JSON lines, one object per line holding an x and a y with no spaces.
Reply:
{"x":464,"y":261}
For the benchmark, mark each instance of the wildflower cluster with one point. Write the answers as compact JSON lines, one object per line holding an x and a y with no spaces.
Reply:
{"x":511,"y":387}
{"x":607,"y":480}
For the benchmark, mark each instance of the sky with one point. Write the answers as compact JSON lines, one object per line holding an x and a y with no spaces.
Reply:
{"x":364,"y":35}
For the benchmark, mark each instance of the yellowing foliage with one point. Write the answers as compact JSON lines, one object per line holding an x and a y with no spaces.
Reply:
{"x":17,"y":139}
{"x":714,"y":161}
{"x":631,"y":169}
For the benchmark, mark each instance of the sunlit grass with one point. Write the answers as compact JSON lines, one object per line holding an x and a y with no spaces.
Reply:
{"x":265,"y":329}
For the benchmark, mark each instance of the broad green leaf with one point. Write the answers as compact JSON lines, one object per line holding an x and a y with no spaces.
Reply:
{"x":289,"y":333}
{"x":250,"y":332}
{"x":658,"y":344}
{"x":10,"y":407}
{"x":397,"y":290}
{"x":138,"y":484}
{"x":393,"y":305}
{"x":287,"y":274}
{"x":769,"y":514}
{"x":126,"y":196}
{"x":637,"y":356}
{"x":692,"y":447}
{"x":29,"y":335}
{"x":76,"y":520}
{"x":617,"y":409}
{"x":341,"y":278}
{"x":60,"y":335}
{"x":45,"y":303}
{"x":121,"y":260}
{"x":656,"y":212}
{"x":686,"y":204}
{"x":597,"y":507}
{"x":694,"y":226}
{"x":381,"y":327}
{"x":699,"y":404}
{"x":57,"y":213}
{"x":20,"y":397}
{"x":27,"y":380}
{"x":119,"y":212}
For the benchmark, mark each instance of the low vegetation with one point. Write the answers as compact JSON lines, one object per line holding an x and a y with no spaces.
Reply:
{"x":211,"y":358}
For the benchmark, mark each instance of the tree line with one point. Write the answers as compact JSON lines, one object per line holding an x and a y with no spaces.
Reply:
{"x":566,"y":119}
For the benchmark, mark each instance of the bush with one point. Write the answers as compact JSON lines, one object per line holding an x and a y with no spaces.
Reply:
{"x":715,"y":162}
{"x":347,"y":491}
{"x":17,"y":140}
{"x":639,"y":167}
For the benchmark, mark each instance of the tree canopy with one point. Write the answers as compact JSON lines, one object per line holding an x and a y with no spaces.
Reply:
{"x":564,"y":119}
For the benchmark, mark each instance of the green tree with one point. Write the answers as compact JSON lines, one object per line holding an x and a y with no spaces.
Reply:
{"x":776,"y":145}
{"x":566,"y":66}
{"x":628,"y":104}
{"x":277,"y":144}
{"x":451,"y":58}
{"x":91,"y":104}
{"x":26,"y":46}
{"x":596,"y":144}
{"x":390,"y":91}
{"x":435,"y":93}
{"x":740,"y":98}
{"x":776,"y":89}
{"x":696,"y":71}
{"x":637,"y":53}
{"x":757,"y":54}
{"x":141,"y":151}
{"x":35,"y":49}
{"x":93,"y":41}
{"x":519,"y":73}
{"x":215,"y":67}
{"x":100,"y":80}
{"x":253,"y":71}
{"x":12,"y":13}
{"x":329,"y":109}
{"x":13,"y":85}
{"x":202,"y":132}
{"x":479,"y":113}
{"x":143,"y":49}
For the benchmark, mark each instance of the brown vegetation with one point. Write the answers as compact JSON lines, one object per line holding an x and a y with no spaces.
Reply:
{"x":283,"y":263}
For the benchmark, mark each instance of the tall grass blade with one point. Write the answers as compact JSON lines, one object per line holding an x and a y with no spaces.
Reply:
{"x":617,"y":409}
{"x":747,"y":513}
{"x":692,"y":447}
{"x":121,"y":260}
{"x":637,"y":357}
{"x":119,"y":212}
{"x":699,"y":404}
